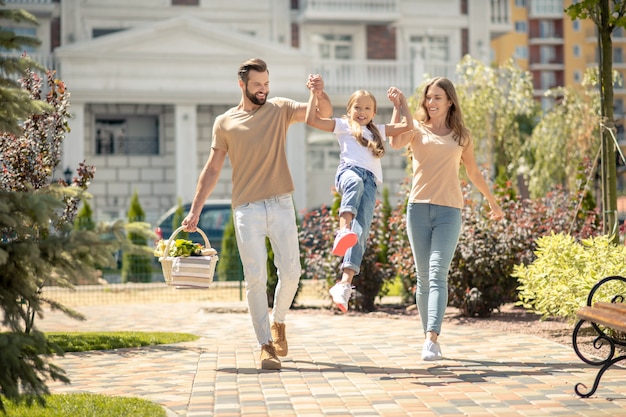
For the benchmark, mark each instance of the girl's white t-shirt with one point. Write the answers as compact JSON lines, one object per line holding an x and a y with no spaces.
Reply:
{"x":353,"y":153}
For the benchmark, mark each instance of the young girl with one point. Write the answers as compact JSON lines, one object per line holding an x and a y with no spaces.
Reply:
{"x":358,"y":174}
{"x":439,"y":144}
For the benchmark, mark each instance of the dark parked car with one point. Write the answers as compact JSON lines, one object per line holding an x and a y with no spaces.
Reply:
{"x":213,"y":220}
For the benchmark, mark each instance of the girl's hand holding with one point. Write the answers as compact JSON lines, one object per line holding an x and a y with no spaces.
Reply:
{"x":395,"y":96}
{"x":496,"y":212}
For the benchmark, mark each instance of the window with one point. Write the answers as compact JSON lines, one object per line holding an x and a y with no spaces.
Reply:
{"x":578,"y":77}
{"x":520,"y":3}
{"x":521,"y":52}
{"x":576,"y":51}
{"x":548,"y":79}
{"x":96,"y":33}
{"x":133,"y":135}
{"x":521,"y":26}
{"x":546,"y":29}
{"x":548,"y":54}
{"x":618,"y":107}
{"x":28,"y":32}
{"x":576,"y":25}
{"x":430,"y":48}
{"x":335,"y":46}
{"x":618,"y":55}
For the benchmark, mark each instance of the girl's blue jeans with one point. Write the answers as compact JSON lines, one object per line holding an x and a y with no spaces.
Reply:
{"x":357,"y":187}
{"x":433,"y":233}
{"x":274,"y":218}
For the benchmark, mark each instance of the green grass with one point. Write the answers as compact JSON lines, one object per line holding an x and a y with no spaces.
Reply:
{"x":85,"y":405}
{"x":96,"y":405}
{"x":85,"y":341}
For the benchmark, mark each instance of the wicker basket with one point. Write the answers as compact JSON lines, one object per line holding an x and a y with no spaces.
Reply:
{"x":189,"y":271}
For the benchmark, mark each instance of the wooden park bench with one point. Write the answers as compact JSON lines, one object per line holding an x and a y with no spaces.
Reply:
{"x":608,"y":319}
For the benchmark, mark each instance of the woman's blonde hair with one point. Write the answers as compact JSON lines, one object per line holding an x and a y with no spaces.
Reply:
{"x":454,"y":120}
{"x":375,"y":145}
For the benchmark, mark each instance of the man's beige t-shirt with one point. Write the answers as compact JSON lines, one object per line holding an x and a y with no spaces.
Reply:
{"x":256,"y":145}
{"x":436,"y":162}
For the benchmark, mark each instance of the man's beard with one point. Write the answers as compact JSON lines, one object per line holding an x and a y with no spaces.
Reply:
{"x":254,"y":99}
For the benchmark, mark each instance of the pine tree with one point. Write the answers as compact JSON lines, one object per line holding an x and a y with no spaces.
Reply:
{"x":15,"y":103}
{"x":177,"y":220}
{"x":229,"y":267}
{"x":137,"y":265}
{"x":38,"y":246}
{"x":84,"y":219}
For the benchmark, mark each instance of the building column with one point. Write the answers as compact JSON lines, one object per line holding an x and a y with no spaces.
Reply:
{"x":186,"y":136}
{"x":74,"y":142}
{"x":479,"y":39}
{"x":296,"y":157}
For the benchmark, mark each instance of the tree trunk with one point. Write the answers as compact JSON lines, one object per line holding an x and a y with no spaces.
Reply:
{"x":609,"y":171}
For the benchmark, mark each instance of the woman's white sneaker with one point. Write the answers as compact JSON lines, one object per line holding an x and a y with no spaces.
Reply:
{"x":431,"y":351}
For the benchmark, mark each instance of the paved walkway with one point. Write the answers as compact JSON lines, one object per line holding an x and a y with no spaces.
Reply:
{"x":338,"y":365}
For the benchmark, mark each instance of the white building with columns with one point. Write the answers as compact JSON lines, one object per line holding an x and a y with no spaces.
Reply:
{"x":148,"y":77}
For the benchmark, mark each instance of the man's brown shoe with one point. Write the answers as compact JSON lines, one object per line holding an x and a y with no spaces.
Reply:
{"x":269,"y":360}
{"x":280,"y":339}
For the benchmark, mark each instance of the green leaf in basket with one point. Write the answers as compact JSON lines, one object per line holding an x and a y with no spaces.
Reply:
{"x":184,"y":247}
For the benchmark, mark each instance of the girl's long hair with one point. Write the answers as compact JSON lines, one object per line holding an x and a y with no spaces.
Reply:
{"x":376,"y":145}
{"x":455,"y":117}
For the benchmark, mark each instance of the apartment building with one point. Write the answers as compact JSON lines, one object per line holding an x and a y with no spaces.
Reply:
{"x":557,"y":50}
{"x":148,"y":77}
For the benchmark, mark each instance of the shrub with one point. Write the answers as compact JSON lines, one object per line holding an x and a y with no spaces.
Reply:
{"x":558,"y":281}
{"x":177,"y":220}
{"x":399,"y":248}
{"x":480,"y":275}
{"x":316,"y":236}
{"x":136,"y":266}
{"x":229,"y":267}
{"x":84,"y":218}
{"x":479,"y":278}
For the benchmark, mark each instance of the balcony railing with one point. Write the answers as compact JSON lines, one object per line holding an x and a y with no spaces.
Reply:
{"x":343,"y":77}
{"x":349,"y":10}
{"x":29,"y":1}
{"x":45,"y":60}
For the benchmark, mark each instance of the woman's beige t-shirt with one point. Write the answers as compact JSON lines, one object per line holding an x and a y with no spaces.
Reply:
{"x":436,"y":162}
{"x":256,"y":145}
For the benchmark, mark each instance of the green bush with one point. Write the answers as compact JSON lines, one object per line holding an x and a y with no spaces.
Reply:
{"x":480,"y":273}
{"x":488,"y":251}
{"x":229,"y":267}
{"x":136,"y":266}
{"x":84,"y":218}
{"x":177,"y":220}
{"x":557,"y":283}
{"x":316,"y":238}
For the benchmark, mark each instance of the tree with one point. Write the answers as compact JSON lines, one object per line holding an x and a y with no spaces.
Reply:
{"x":229,"y":267}
{"x":566,"y":135}
{"x":607,"y":15}
{"x":137,"y":263}
{"x":15,"y":103}
{"x":84,"y":219}
{"x":37,"y":244}
{"x":495,"y":101}
{"x":177,"y":220}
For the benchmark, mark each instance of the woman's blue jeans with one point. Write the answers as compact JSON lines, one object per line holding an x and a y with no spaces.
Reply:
{"x":433,"y":233}
{"x":357,"y":187}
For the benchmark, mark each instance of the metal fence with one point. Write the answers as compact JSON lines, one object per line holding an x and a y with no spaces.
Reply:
{"x":311,"y":292}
